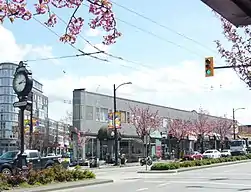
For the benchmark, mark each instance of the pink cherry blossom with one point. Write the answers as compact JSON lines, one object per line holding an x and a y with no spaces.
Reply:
{"x":145,"y":121}
{"x":180,"y":129}
{"x":101,"y":10}
{"x":237,"y":52}
{"x":203,"y":125}
{"x":223,"y":128}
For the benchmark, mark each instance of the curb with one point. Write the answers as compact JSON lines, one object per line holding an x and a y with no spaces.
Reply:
{"x":60,"y":186}
{"x":196,"y":168}
{"x":108,"y":167}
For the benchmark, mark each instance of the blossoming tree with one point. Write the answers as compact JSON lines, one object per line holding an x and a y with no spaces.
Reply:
{"x":100,"y":9}
{"x":180,"y":130}
{"x":238,"y":52}
{"x":145,"y":122}
{"x":223,"y":128}
{"x":203,"y":126}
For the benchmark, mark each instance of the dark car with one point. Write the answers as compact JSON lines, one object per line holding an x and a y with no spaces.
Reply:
{"x":194,"y":155}
{"x":8,"y":161}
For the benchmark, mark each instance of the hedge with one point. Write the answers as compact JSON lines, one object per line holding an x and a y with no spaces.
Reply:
{"x":55,"y":174}
{"x":177,"y":165}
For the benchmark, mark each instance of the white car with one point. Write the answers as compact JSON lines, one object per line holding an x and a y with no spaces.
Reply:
{"x":226,"y":153}
{"x":213,"y":153}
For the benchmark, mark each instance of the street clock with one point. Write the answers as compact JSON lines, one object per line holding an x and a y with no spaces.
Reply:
{"x":22,"y":82}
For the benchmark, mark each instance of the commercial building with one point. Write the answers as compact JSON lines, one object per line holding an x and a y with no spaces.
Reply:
{"x":8,"y":114}
{"x":50,"y":133}
{"x":90,"y":115}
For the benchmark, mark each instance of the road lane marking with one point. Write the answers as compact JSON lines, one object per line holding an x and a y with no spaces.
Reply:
{"x":163,"y":184}
{"x":211,"y":183}
{"x":153,"y":181}
{"x":142,"y":189}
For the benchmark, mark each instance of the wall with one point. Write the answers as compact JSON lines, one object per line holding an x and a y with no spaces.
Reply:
{"x":87,"y":105}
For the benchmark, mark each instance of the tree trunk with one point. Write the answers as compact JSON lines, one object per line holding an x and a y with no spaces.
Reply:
{"x":178,"y":149}
{"x":202,"y":144}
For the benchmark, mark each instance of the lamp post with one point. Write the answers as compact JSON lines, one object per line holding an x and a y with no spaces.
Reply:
{"x":114,"y":124}
{"x":234,"y":110}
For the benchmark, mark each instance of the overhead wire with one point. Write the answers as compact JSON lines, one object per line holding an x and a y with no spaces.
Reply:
{"x":74,"y":47}
{"x":111,"y":55}
{"x":163,"y":26}
{"x":72,"y":56}
{"x":98,"y":49}
{"x":155,"y":35}
{"x":104,"y":52}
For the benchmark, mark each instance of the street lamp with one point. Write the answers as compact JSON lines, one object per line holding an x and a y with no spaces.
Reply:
{"x":234,"y":110}
{"x":114,"y":124}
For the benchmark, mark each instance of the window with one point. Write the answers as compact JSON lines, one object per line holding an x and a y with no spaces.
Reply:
{"x":76,"y":111}
{"x":97,"y":114}
{"x":103,"y":114}
{"x":33,"y":155}
{"x":89,"y":113}
{"x":128,"y":117}
{"x":9,"y":155}
{"x":123,"y":116}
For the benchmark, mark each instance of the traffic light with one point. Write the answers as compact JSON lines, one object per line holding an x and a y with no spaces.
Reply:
{"x":209,"y":66}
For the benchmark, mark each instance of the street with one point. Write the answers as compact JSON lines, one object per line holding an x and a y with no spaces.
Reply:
{"x":227,"y":178}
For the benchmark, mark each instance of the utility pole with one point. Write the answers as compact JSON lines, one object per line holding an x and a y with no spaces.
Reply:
{"x":234,"y":124}
{"x":114,"y":125}
{"x":114,"y":119}
{"x":234,"y":121}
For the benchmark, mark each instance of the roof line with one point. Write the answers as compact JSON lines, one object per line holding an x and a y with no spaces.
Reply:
{"x":156,"y":105}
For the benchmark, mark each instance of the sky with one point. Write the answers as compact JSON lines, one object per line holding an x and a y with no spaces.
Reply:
{"x":164,"y":64}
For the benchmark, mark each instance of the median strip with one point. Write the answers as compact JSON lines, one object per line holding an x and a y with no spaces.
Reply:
{"x":176,"y":167}
{"x":66,"y":185}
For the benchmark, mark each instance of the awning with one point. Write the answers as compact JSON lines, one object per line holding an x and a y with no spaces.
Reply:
{"x":156,"y":135}
{"x":237,"y":12}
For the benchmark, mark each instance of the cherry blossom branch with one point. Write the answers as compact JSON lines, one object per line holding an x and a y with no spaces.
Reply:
{"x":144,"y":120}
{"x":239,"y":56}
{"x":101,"y":9}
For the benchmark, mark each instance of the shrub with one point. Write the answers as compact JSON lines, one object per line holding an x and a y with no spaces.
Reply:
{"x":3,"y":183}
{"x":177,"y":165}
{"x":248,"y":156}
{"x":55,"y":174}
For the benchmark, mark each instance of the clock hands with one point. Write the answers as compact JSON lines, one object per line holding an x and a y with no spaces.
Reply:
{"x":21,"y":82}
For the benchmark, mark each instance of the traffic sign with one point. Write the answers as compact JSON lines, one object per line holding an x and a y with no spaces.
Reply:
{"x":20,"y":104}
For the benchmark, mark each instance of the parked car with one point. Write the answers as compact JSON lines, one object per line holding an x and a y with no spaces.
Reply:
{"x":225,"y":153}
{"x":212,"y":153}
{"x":194,"y":155}
{"x":8,"y":161}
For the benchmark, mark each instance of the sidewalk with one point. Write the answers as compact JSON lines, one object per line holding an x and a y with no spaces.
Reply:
{"x":135,"y":164}
{"x":105,"y":166}
{"x":66,"y":185}
{"x":196,"y":167}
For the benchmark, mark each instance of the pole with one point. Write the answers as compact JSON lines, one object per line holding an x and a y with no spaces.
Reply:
{"x":31,"y":122}
{"x":21,"y":158}
{"x":92,"y":147}
{"x":22,"y":130}
{"x":234,"y":124}
{"x":56,"y":140}
{"x":114,"y":125}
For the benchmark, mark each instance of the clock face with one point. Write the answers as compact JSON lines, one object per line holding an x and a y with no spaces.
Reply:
{"x":19,"y":82}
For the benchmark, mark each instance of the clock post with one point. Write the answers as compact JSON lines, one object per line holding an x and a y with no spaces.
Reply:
{"x":22,"y":85}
